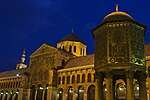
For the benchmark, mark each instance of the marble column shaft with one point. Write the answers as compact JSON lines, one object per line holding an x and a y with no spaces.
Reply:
{"x":109,"y":86}
{"x":99,"y":95}
{"x":130,"y":87}
{"x":142,"y":86}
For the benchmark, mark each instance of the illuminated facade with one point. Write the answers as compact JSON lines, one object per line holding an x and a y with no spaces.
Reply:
{"x":66,"y":72}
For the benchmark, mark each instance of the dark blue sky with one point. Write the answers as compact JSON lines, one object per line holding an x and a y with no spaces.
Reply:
{"x":30,"y":23}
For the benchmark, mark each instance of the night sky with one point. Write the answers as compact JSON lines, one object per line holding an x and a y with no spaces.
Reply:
{"x":30,"y":23}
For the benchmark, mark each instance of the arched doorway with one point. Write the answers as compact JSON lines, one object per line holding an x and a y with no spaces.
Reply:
{"x":91,"y":93}
{"x":45,"y":94}
{"x":70,"y":93}
{"x":80,"y":93}
{"x":11,"y":95}
{"x":6,"y":95}
{"x":1,"y":95}
{"x":60,"y":94}
{"x":32,"y":93}
{"x":16,"y":95}
{"x":39,"y":92}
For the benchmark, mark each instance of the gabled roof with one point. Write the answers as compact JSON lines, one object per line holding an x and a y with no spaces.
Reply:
{"x":80,"y":61}
{"x":43,"y":48}
{"x":12,"y":73}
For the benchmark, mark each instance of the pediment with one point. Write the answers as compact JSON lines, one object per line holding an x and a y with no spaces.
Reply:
{"x":44,"y":49}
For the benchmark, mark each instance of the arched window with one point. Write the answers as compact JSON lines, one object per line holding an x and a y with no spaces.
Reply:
{"x":78,"y":78}
{"x":74,"y":48}
{"x":63,"y":62}
{"x":91,"y":93}
{"x":73,"y":79}
{"x":70,"y":48}
{"x":63,"y":80}
{"x":81,"y":51}
{"x":59,"y":80}
{"x":149,"y":71}
{"x":83,"y":78}
{"x":68,"y":79}
{"x":14,"y":85}
{"x":63,"y":48}
{"x":89,"y":77}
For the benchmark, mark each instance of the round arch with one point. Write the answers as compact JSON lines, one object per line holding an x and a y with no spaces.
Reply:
{"x":60,"y":94}
{"x":39,"y":92}
{"x":45,"y":94}
{"x":91,"y":92}
{"x":70,"y":93}
{"x":80,"y":93}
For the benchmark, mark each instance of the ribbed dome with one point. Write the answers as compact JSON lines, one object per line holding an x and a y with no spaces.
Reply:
{"x":71,"y":37}
{"x":117,"y":16}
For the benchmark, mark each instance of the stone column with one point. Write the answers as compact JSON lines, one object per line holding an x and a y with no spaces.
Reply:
{"x":13,"y":96}
{"x":85,"y":94}
{"x":49,"y":93}
{"x":35,"y":95}
{"x":130,"y":87}
{"x":43,"y":94}
{"x":20,"y":94}
{"x":28,"y":94}
{"x":142,"y":86}
{"x":74,"y":95}
{"x":99,"y":95}
{"x":65,"y":94}
{"x":109,"y":86}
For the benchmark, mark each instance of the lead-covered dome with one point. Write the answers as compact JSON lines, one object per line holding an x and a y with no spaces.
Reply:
{"x":72,"y":37}
{"x":117,"y":16}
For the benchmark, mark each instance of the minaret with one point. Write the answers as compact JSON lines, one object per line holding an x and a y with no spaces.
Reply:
{"x":22,"y":65}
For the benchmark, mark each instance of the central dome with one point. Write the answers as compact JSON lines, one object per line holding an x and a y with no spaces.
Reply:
{"x":72,"y":37}
{"x":117,"y":16}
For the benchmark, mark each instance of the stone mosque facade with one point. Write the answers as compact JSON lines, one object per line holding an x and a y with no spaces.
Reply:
{"x":119,"y":69}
